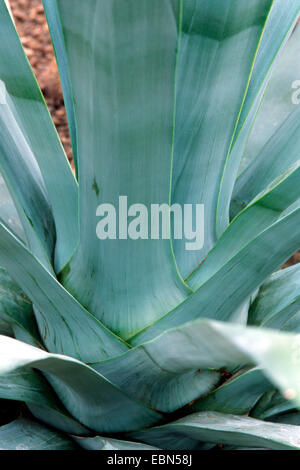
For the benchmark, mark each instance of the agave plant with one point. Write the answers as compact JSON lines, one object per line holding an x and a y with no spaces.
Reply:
{"x":141,"y":343}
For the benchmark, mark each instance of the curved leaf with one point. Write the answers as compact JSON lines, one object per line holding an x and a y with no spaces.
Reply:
{"x":278,"y":302}
{"x":87,"y":395}
{"x":27,"y":385}
{"x":204,"y":344}
{"x":239,"y":277}
{"x":217,"y":48}
{"x":24,"y":434}
{"x":272,"y":403}
{"x":17,"y":165}
{"x":237,"y":396}
{"x":221,"y":428}
{"x":59,"y":316}
{"x":277,"y":103}
{"x":265,"y":157}
{"x":279,"y":153}
{"x":16,"y":309}
{"x":122,"y":58}
{"x":262,"y":212}
{"x":209,"y":344}
{"x":280,"y":23}
{"x":138,"y":374}
{"x":58,"y":418}
{"x":8,"y":213}
{"x":56,"y":32}
{"x":106,"y":443}
{"x":18,"y":219}
{"x":40,"y":154}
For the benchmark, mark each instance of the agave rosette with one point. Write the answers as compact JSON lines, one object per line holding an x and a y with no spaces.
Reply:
{"x":140,"y":344}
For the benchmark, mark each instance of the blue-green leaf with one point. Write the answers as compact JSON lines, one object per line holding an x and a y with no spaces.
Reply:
{"x":280,"y":23}
{"x":218,"y":46}
{"x":87,"y":395}
{"x":41,"y":162}
{"x":29,"y":386}
{"x":8,"y":213}
{"x":141,"y":376}
{"x":122,"y":58}
{"x":56,"y":32}
{"x":261,"y":213}
{"x":239,"y":277}
{"x":16,"y":310}
{"x":277,"y":102}
{"x":278,"y":302}
{"x":187,"y":351}
{"x":59,"y":316}
{"x":280,"y":152}
{"x":238,"y":395}
{"x":24,"y":434}
{"x":272,"y":403}
{"x":219,"y":428}
{"x":107,"y":443}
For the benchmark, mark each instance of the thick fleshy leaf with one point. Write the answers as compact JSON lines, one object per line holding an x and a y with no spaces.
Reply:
{"x":205,"y":344}
{"x":271,"y":404}
{"x":280,"y":23}
{"x":56,"y":32}
{"x":239,"y":277}
{"x":59,"y":418}
{"x":16,"y":309}
{"x":122,"y":58}
{"x":277,"y":32}
{"x":8,"y":213}
{"x":222,"y":428}
{"x":14,"y":218}
{"x":106,"y":443}
{"x":18,"y":165}
{"x":40,"y":157}
{"x":27,"y":385}
{"x":87,"y":395}
{"x":24,"y":434}
{"x":278,"y":302}
{"x":277,"y":103}
{"x":279,"y":153}
{"x":139,"y":375}
{"x":219,"y":345}
{"x":289,"y":418}
{"x":217,"y":47}
{"x":273,"y":141}
{"x":263,"y":211}
{"x":59,"y":316}
{"x":237,"y":396}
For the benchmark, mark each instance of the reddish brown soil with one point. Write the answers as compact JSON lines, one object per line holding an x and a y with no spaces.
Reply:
{"x":293,"y":260}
